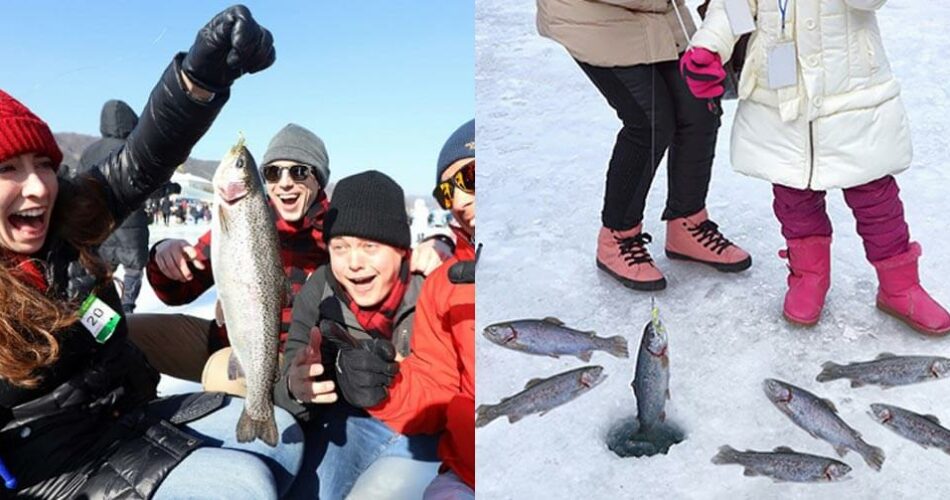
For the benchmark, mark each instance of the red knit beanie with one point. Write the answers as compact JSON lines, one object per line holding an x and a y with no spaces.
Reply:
{"x":23,"y":132}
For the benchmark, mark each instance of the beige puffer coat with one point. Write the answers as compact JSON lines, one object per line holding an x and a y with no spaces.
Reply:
{"x":611,"y":33}
{"x":844,"y":123}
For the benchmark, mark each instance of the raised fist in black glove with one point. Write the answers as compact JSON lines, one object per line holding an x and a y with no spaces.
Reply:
{"x":365,"y":371}
{"x":231,"y":44}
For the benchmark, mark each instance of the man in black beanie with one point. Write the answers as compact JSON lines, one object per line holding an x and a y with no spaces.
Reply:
{"x":355,"y":317}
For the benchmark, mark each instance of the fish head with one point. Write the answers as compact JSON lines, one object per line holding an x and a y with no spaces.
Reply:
{"x":236,"y":175}
{"x":500,"y":333}
{"x":940,"y":368}
{"x":593,"y":375}
{"x":836,"y":471}
{"x":881,"y":412}
{"x":655,"y":338}
{"x":777,"y":391}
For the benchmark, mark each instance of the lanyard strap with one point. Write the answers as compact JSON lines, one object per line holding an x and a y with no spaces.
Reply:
{"x":783,"y":8}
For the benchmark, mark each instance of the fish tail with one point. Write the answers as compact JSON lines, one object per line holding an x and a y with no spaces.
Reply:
{"x":249,"y":429}
{"x":829,"y":371}
{"x":484,"y":414}
{"x":874,"y":456}
{"x":616,"y":346}
{"x":727,"y":455}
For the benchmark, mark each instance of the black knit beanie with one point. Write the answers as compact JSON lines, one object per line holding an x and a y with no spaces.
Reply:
{"x":368,"y":205}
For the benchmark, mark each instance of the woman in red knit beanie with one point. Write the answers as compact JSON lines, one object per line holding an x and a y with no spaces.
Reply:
{"x":73,"y":389}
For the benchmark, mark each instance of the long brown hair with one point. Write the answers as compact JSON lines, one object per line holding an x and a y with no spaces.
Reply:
{"x":30,"y":319}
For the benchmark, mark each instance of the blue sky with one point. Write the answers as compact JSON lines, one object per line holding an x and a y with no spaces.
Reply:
{"x":384,"y":83}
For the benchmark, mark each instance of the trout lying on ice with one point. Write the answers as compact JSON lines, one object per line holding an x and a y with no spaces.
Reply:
{"x":542,"y":395}
{"x":549,"y":337}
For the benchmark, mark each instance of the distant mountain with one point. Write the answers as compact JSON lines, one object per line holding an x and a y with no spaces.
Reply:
{"x":73,"y":145}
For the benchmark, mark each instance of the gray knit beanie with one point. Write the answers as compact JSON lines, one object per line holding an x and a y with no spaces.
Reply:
{"x":295,"y":143}
{"x":460,"y":145}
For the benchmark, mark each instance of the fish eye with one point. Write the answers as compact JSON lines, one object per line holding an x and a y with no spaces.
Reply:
{"x":239,"y":163}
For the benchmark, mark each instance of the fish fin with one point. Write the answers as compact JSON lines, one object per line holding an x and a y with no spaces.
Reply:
{"x":749,"y":472}
{"x":485,"y":414}
{"x":553,"y":321}
{"x":857,"y":383}
{"x":616,"y":346}
{"x":584,"y":356}
{"x":841,"y":451}
{"x":555,"y":356}
{"x":667,"y":393}
{"x":249,"y":429}
{"x":885,"y":355}
{"x":830,"y":404}
{"x":946,"y":450}
{"x":543,"y":413}
{"x":662,"y":416}
{"x":783,"y":449}
{"x":514,"y":418}
{"x":727,"y":455}
{"x":531,"y":383}
{"x":827,"y":370}
{"x":235,"y":370}
{"x":218,"y":313}
{"x":874,"y":457}
{"x":932,"y":418}
{"x":223,"y":218}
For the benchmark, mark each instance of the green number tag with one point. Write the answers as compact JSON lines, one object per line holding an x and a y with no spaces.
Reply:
{"x":98,"y":318}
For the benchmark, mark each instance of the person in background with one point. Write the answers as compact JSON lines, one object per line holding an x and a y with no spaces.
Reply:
{"x":128,"y":245}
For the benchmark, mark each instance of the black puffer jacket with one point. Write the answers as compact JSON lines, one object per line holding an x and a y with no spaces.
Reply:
{"x":128,"y":245}
{"x":84,"y":431}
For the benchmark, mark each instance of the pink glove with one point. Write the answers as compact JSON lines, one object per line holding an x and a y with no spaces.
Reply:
{"x":703,"y":72}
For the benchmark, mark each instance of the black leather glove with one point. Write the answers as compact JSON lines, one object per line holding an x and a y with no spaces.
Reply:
{"x":231,"y":44}
{"x":364,"y":372}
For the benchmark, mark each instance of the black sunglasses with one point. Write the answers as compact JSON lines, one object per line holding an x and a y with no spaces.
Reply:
{"x":298,"y":173}
{"x":464,"y":179}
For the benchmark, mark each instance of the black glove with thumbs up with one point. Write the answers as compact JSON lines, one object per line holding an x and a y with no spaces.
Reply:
{"x":365,"y":371}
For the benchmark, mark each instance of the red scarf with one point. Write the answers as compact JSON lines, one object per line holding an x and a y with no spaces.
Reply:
{"x":464,"y":247}
{"x":380,"y":319}
{"x":26,"y":270}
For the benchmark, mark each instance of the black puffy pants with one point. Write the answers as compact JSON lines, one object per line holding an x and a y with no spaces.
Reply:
{"x":658,"y":113}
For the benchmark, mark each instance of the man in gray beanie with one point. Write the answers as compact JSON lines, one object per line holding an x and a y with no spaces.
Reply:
{"x":296,"y":170}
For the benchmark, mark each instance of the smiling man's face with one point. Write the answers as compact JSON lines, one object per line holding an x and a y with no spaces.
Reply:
{"x":366,"y":269}
{"x":292,"y":198}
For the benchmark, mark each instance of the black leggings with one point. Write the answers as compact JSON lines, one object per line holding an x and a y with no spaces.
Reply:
{"x":658,"y":113}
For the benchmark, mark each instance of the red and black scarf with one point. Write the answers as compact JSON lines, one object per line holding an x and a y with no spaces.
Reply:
{"x":26,"y":269}
{"x":379,"y":320}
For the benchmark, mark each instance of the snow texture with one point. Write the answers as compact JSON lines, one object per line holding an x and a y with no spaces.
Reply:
{"x":389,"y":477}
{"x":545,"y":137}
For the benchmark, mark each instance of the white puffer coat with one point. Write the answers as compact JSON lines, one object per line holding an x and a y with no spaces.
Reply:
{"x":844,"y":123}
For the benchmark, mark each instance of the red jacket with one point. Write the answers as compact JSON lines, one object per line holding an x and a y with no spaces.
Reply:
{"x":464,"y":248}
{"x":440,"y":369}
{"x":302,"y":251}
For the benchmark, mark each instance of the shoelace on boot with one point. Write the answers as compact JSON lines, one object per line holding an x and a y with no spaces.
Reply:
{"x":633,"y":249}
{"x":707,"y":233}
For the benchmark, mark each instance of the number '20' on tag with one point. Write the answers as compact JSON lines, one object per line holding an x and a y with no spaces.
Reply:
{"x":98,"y":318}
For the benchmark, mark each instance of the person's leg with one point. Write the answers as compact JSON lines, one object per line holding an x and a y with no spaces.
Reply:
{"x":175,"y":344}
{"x":639,"y":96}
{"x":218,"y":473}
{"x":342,"y":444}
{"x":642,"y":103}
{"x":879,"y":214}
{"x":448,"y":486}
{"x":807,"y":231}
{"x":219,"y":430}
{"x":690,"y":234}
{"x":132,"y":286}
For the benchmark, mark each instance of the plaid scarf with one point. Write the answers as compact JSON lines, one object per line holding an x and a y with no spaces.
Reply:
{"x":379,"y":320}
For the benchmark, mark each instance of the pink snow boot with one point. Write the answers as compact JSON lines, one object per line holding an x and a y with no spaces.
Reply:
{"x":901,"y":295}
{"x":623,"y":255}
{"x":809,"y":277}
{"x":698,"y":239}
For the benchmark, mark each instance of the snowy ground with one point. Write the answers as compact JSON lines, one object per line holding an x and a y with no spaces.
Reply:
{"x":392,"y":478}
{"x":545,"y":135}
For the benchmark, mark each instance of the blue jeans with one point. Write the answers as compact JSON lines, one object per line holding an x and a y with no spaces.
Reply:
{"x":227,"y":469}
{"x":342,"y":443}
